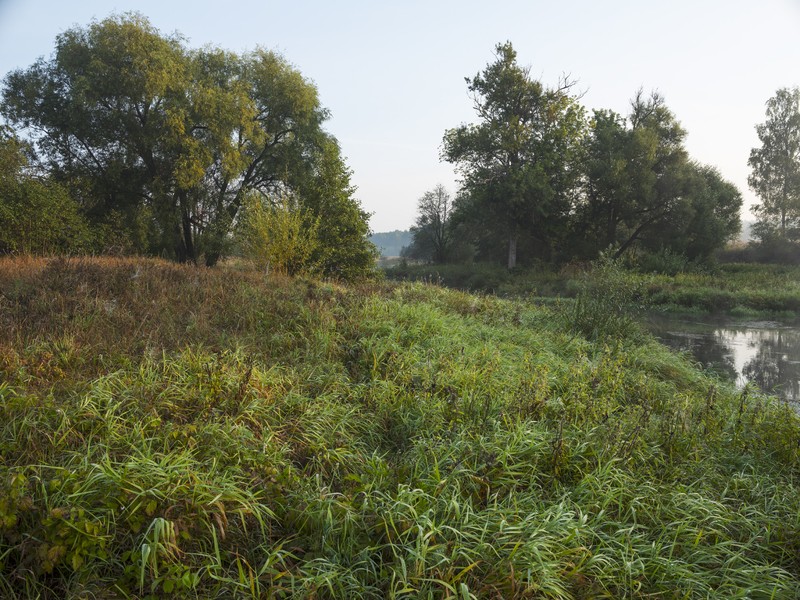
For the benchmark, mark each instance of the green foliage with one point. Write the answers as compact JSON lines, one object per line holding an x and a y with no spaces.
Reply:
{"x":660,"y":281}
{"x":293,"y":438}
{"x":174,"y":139}
{"x":477,"y":277}
{"x":770,"y":247}
{"x":432,"y":232}
{"x":642,"y":189}
{"x":37,"y":215}
{"x":714,"y":218}
{"x":344,"y":250}
{"x":518,"y":162}
{"x":608,"y":303}
{"x":280,"y":238}
{"x":541,"y":181}
{"x":752,"y":288}
{"x":775,"y":175}
{"x":665,"y":262}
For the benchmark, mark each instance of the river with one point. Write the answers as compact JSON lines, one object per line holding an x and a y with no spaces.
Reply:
{"x":765,"y":353}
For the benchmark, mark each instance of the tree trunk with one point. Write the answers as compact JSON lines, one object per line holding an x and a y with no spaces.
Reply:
{"x":630,"y":240}
{"x":180,"y":247}
{"x":185,"y":250}
{"x":512,"y":252}
{"x":783,"y":222}
{"x":611,"y":228}
{"x":187,"y":239}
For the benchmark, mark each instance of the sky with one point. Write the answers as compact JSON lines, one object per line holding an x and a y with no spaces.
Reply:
{"x":392,"y":73}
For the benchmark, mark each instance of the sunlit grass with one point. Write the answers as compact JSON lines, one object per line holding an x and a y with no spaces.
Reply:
{"x":172,"y":431}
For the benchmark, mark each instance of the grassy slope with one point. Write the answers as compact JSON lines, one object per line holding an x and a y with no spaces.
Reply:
{"x":205,"y":433}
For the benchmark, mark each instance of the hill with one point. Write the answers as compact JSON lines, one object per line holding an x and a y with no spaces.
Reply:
{"x":168,"y":431}
{"x":391,"y":242}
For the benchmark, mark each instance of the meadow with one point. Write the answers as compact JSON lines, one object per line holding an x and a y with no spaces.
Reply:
{"x":172,"y":431}
{"x":737,"y":289}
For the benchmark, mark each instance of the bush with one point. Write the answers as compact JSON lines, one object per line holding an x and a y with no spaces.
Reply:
{"x":665,"y":261}
{"x":36,"y":216}
{"x":608,"y":303}
{"x":279,"y":238}
{"x":39,"y":217}
{"x":477,"y":277}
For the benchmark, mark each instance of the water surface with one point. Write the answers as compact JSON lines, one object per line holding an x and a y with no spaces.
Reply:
{"x":765,"y":353}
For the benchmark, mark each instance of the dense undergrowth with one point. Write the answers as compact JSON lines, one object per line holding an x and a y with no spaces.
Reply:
{"x":738,"y":290}
{"x":168,"y":431}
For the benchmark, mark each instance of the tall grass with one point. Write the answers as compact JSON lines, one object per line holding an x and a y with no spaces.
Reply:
{"x":608,"y":304}
{"x":739,"y":290}
{"x":168,"y":431}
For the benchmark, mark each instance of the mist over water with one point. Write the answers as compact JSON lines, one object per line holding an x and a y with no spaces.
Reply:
{"x":765,"y":353}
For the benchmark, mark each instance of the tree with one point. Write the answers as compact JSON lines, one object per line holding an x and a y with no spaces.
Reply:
{"x":704,"y":220}
{"x":775,"y":175}
{"x":173,"y":137}
{"x":656,"y":167}
{"x":641,"y":188}
{"x":105,"y":114}
{"x":323,"y":187}
{"x":635,"y":174}
{"x":431,"y":232}
{"x":608,"y":183}
{"x":37,"y":216}
{"x":519,"y":162}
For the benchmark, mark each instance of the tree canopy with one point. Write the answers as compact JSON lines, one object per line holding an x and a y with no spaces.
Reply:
{"x":537,"y":174}
{"x":518,"y":161}
{"x":775,"y":167}
{"x":432,"y":234}
{"x":641,"y":187}
{"x":37,"y":215}
{"x":174,"y":138}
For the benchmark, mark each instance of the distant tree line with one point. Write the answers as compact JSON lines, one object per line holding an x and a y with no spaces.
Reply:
{"x":140,"y":144}
{"x":541,"y":180}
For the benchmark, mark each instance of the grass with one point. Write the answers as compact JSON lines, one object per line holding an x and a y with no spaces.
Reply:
{"x":742,"y":290}
{"x":168,"y":431}
{"x":746,"y":289}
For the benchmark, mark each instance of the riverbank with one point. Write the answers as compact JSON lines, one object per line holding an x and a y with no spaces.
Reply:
{"x":181,"y":432}
{"x":743,"y":290}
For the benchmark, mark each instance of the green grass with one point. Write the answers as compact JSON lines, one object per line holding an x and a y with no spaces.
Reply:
{"x":168,"y":431}
{"x":738,"y":290}
{"x":750,"y":289}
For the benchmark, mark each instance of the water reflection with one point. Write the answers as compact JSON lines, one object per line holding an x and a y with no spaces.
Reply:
{"x":765,"y":353}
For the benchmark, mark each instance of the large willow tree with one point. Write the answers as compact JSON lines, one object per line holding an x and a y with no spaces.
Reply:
{"x":642,"y":189}
{"x":166,"y":141}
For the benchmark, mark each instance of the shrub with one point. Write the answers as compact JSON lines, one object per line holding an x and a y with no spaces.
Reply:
{"x":279,"y":238}
{"x":608,"y":302}
{"x":37,"y":216}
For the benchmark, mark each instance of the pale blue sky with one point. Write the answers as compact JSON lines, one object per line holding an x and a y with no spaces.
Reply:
{"x":392,"y":74}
